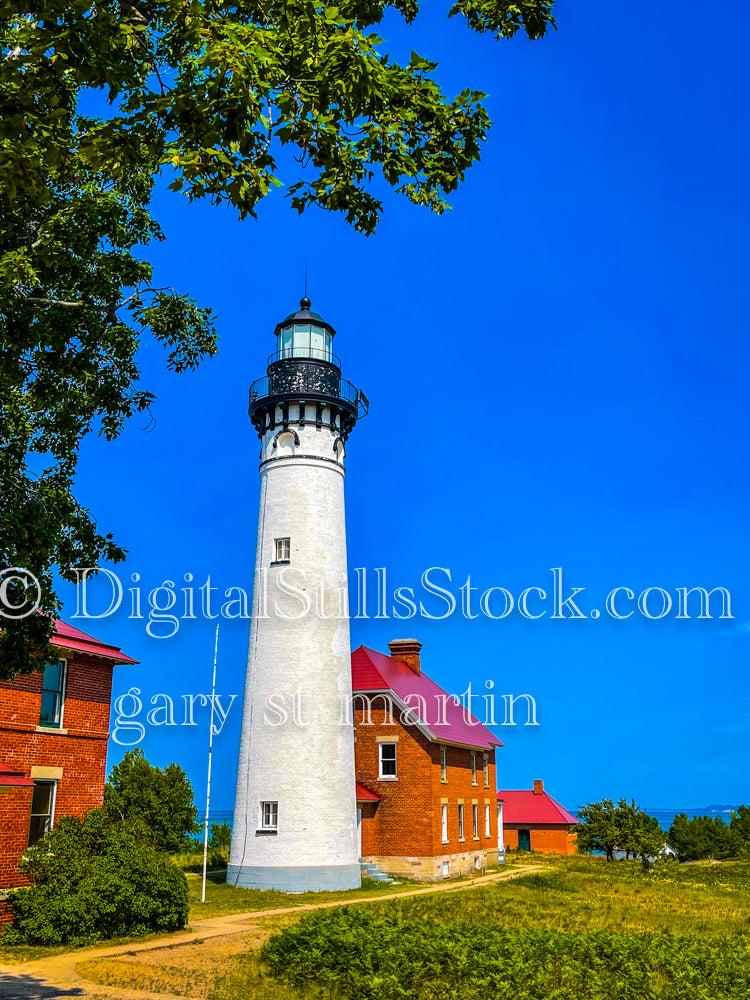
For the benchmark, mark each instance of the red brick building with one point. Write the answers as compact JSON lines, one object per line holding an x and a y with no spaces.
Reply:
{"x":54,"y":727}
{"x":426,"y":799}
{"x":532,"y":820}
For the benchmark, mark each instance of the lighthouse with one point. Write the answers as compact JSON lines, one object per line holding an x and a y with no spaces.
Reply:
{"x":295,"y":817}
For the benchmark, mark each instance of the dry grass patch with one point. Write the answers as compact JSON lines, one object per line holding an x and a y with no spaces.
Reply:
{"x":188,"y":970}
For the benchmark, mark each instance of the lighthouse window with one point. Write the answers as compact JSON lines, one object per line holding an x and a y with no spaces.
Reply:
{"x":301,"y":340}
{"x":317,"y":342}
{"x":283,"y":550}
{"x":387,"y":760}
{"x":269,"y":815}
{"x":286,"y":342}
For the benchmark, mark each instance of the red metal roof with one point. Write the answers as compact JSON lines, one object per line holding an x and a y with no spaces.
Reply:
{"x":526,"y":806}
{"x":443,"y":719}
{"x":14,"y":779}
{"x":68,"y":637}
{"x":365,"y":795}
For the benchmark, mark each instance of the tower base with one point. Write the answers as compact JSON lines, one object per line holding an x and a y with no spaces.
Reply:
{"x":305,"y":878}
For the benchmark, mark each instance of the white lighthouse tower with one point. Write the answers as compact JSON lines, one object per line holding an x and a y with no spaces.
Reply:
{"x":295,"y":823}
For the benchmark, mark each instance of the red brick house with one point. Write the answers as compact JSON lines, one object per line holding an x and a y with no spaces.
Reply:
{"x":532,"y":820}
{"x":54,"y":728}
{"x":426,"y":799}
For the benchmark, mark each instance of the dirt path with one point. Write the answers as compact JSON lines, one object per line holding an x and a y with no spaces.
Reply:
{"x":55,"y":977}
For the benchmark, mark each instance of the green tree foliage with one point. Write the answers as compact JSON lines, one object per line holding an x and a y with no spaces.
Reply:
{"x":740,"y":828}
{"x":93,"y":879}
{"x":598,"y":829}
{"x":159,"y":798}
{"x":705,"y":837}
{"x":219,"y":843}
{"x":608,"y":827}
{"x":227,"y":101}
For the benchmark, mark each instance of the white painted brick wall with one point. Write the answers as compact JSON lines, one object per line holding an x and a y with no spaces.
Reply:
{"x":307,"y":769}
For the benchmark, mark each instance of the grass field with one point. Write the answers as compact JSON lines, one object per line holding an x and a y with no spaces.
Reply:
{"x":222,"y":899}
{"x":579,"y":930}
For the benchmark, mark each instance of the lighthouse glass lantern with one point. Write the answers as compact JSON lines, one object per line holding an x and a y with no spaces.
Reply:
{"x":305,"y":334}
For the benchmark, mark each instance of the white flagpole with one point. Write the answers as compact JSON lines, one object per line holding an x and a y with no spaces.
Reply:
{"x":210,"y":751}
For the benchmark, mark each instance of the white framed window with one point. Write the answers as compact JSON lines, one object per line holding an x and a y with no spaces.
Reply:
{"x":42,"y":810}
{"x":460,"y":821}
{"x":53,"y":694}
{"x":486,"y":769}
{"x":446,"y":869}
{"x":443,"y":764}
{"x":473,"y":769}
{"x":387,"y":760}
{"x":487,"y":820}
{"x":475,"y":821}
{"x":444,"y":822}
{"x":283,"y":550}
{"x":269,"y":815}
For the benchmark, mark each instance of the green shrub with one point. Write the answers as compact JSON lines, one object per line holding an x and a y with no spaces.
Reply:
{"x":360,"y":955}
{"x":93,"y":879}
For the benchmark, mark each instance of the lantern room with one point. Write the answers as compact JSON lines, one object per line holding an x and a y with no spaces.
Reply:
{"x":305,"y":334}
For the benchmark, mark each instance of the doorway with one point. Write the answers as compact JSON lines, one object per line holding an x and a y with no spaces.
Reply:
{"x":524,"y":840}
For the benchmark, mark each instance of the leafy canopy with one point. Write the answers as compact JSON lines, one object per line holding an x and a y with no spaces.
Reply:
{"x":159,"y":798}
{"x":705,"y":837}
{"x":226,"y":101}
{"x":607,"y":827}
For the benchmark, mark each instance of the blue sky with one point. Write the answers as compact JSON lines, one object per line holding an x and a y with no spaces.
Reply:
{"x":557,"y":375}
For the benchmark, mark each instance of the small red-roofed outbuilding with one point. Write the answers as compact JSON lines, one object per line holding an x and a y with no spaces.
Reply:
{"x":533,"y":821}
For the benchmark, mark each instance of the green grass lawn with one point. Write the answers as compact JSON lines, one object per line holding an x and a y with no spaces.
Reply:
{"x":223,"y":899}
{"x":579,"y":930}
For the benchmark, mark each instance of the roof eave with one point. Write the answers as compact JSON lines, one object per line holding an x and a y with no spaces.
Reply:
{"x":423,"y":726}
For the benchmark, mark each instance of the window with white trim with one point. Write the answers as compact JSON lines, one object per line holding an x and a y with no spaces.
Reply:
{"x":473,"y":769}
{"x":283,"y":550}
{"x":487,"y":820}
{"x":42,"y":810}
{"x":269,"y":815}
{"x":486,"y":769}
{"x":460,"y":821}
{"x":443,"y":764}
{"x":387,"y":759}
{"x":475,"y":821}
{"x":53,"y":694}
{"x":444,"y":822}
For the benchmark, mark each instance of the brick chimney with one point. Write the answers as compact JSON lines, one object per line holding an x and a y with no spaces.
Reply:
{"x":408,"y":651}
{"x":538,"y":786}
